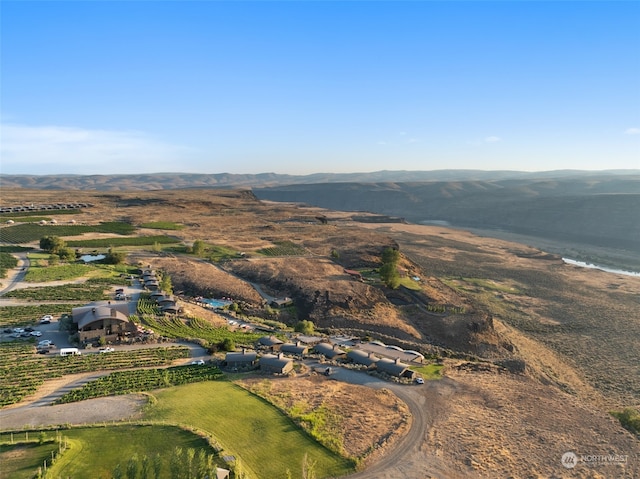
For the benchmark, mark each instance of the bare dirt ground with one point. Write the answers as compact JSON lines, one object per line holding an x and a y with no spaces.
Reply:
{"x":367,"y":420}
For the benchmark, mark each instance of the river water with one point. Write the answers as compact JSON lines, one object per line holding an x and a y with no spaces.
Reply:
{"x":601,"y":268}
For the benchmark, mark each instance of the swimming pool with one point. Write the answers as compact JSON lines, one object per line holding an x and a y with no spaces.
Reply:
{"x":216,"y":303}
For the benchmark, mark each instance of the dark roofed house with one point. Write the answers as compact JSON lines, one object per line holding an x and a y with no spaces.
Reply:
{"x":281,"y":302}
{"x":330,"y":351}
{"x":297,"y":349}
{"x":276,"y":364}
{"x":362,"y":357}
{"x":108,"y":321}
{"x":270,"y":342}
{"x":395,"y":368}
{"x":165,"y":299}
{"x":241,"y":360}
{"x":169,"y":308}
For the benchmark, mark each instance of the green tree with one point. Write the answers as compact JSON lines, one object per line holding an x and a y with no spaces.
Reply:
{"x":157,"y":466}
{"x":132,"y":467}
{"x":165,"y":283}
{"x":228,"y":344}
{"x":115,"y":257}
{"x":305,"y":327}
{"x":52,"y":244}
{"x":198,"y":247}
{"x":390,"y":255}
{"x":145,"y":467}
{"x":66,"y":254}
{"x":389,"y":275}
{"x":117,"y":472}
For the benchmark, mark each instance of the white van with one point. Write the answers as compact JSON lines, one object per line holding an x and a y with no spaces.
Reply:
{"x":69,"y":352}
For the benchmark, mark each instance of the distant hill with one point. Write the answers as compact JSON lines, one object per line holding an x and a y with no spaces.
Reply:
{"x":161,"y":181}
{"x":602,"y":211}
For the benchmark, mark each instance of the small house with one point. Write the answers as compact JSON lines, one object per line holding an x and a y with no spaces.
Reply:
{"x":270,"y":342}
{"x":241,"y":360}
{"x":330,"y":351}
{"x":297,"y":349}
{"x":364,"y":358}
{"x":276,"y":364}
{"x":395,"y":368}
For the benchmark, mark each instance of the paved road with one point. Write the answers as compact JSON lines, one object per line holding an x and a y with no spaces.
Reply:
{"x":16,"y":275}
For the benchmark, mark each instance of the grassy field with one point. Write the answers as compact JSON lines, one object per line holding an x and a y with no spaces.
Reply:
{"x":21,"y":460}
{"x":267,"y":441}
{"x":430,"y":371}
{"x":95,"y":452}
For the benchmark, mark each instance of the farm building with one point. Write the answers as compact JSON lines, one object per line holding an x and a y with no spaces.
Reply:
{"x":331,"y":351}
{"x":241,"y":360}
{"x":309,"y":340}
{"x":361,"y":357}
{"x":103,"y":321}
{"x":394,"y":368}
{"x":297,"y":349}
{"x":270,"y":342}
{"x":168,"y":308}
{"x":276,"y":364}
{"x":281,"y":302}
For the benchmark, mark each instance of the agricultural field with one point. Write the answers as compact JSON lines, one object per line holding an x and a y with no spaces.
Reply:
{"x":284,"y":248}
{"x":68,"y":292}
{"x":29,"y":232}
{"x":7,"y":262}
{"x":29,"y":314}
{"x":96,"y":452}
{"x":128,"y":241}
{"x":162,"y":225}
{"x":22,"y":371}
{"x":248,"y":427}
{"x":138,"y":380}
{"x":21,"y":459}
{"x":196,"y":328}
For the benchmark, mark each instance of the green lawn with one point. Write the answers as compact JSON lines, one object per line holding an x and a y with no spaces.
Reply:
{"x":248,"y":427}
{"x":429,"y":371}
{"x":21,"y":461}
{"x":95,"y":452}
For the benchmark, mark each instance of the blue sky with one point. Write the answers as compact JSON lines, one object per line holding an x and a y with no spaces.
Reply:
{"x":330,"y":86}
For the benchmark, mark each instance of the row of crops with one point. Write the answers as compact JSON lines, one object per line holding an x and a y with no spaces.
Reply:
{"x":128,"y":241}
{"x":28,"y":232}
{"x":174,"y":327}
{"x":126,"y":382}
{"x":7,"y":262}
{"x":284,"y":248}
{"x":67,"y":292}
{"x":31,"y":313}
{"x":22,"y":371}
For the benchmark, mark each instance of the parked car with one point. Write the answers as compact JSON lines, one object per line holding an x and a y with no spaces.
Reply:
{"x":18,"y":330}
{"x":106,"y":350}
{"x":29,"y":329}
{"x":199,"y":362}
{"x":42,"y":351}
{"x":46,"y":319}
{"x":45,"y":343}
{"x":419,"y":381}
{"x":7,"y":330}
{"x":37,"y":334}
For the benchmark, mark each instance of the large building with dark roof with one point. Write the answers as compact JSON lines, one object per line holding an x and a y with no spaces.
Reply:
{"x":109,"y":321}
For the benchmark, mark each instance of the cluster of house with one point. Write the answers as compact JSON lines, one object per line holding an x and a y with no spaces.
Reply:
{"x":33,"y":207}
{"x":278,"y":357}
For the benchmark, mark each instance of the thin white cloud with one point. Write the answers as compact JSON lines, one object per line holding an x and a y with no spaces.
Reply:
{"x":632,"y":131}
{"x":57,"y":149}
{"x":492,"y":139}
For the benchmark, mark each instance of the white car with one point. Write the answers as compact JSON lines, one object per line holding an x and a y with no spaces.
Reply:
{"x":36,"y":333}
{"x":46,"y":319}
{"x":18,"y":330}
{"x":45,"y":343}
{"x":106,"y":350}
{"x":199,"y":362}
{"x":419,"y":381}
